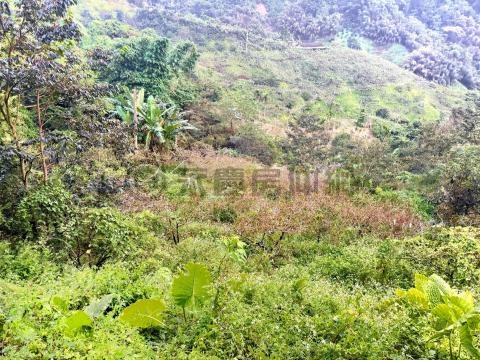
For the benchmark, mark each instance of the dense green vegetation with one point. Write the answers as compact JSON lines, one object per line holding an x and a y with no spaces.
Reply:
{"x":138,"y":143}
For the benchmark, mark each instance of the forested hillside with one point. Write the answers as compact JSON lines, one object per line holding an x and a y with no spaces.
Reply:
{"x":239,"y":179}
{"x":437,"y":39}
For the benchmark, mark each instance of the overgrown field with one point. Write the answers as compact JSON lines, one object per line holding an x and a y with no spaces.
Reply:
{"x":239,"y":180}
{"x":286,"y":277}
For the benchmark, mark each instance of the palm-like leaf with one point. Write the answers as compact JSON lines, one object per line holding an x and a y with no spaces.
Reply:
{"x":137,"y":98}
{"x":125,"y":104}
{"x":124,"y":114}
{"x":162,"y":123}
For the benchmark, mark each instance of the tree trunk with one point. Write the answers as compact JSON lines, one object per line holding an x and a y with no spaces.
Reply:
{"x":41,"y":135}
{"x":135,"y":118}
{"x":13,"y":129}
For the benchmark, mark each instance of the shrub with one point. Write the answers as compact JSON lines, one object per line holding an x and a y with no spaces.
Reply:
{"x":347,"y":264}
{"x":364,"y":261}
{"x":250,"y":142}
{"x":104,"y":234}
{"x":224,"y":215}
{"x":43,"y":212}
{"x":87,"y":236}
{"x":466,"y":122}
{"x":453,"y":253}
{"x":383,"y":113}
{"x":45,"y":305}
{"x":307,"y":142}
{"x":25,"y":262}
{"x":456,"y":317}
{"x":151,"y":222}
{"x":461,"y":183}
{"x":417,"y":202}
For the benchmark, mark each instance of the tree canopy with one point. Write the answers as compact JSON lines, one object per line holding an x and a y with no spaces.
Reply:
{"x":149,"y":62}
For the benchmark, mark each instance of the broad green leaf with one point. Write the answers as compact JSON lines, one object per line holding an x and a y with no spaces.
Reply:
{"x":442,"y":285}
{"x":473,"y":321}
{"x":440,"y":324}
{"x":144,"y":313}
{"x":417,"y":297}
{"x":192,"y":288}
{"x":433,"y":293}
{"x":77,"y":321}
{"x":443,"y":312}
{"x":98,"y":306}
{"x":456,"y":305}
{"x":59,"y":304}
{"x":420,"y":281}
{"x":464,"y":301}
{"x":466,"y":339}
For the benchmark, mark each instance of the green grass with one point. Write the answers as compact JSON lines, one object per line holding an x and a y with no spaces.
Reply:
{"x":344,"y":79}
{"x":409,"y":102}
{"x":396,"y":53}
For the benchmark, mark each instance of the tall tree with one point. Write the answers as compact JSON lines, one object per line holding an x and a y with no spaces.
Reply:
{"x":37,"y":42}
{"x":149,"y":62}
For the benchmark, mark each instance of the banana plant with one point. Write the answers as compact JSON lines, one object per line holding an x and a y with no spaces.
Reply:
{"x":162,"y":124}
{"x":455,"y":315}
{"x":128,"y":109}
